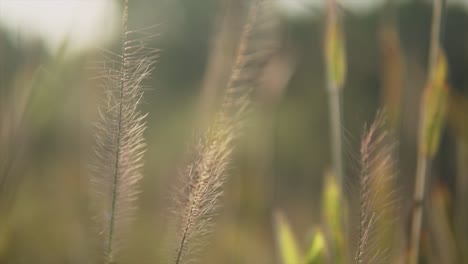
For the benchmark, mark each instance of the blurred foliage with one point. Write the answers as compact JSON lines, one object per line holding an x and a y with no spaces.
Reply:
{"x":335,"y":55}
{"x":316,"y":253}
{"x":434,"y":107}
{"x":288,"y":246}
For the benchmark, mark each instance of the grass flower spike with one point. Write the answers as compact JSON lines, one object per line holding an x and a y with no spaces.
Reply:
{"x":120,"y":143}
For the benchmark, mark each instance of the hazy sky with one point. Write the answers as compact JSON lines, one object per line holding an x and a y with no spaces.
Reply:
{"x":84,"y":22}
{"x":89,"y":22}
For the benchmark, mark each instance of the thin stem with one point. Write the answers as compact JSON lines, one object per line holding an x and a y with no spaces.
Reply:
{"x":435,"y":35}
{"x":336,"y":133}
{"x":335,"y":64}
{"x":461,"y":194}
{"x":337,"y":158}
{"x":419,"y":197}
{"x":423,"y":159}
{"x":180,"y":250}
{"x":362,"y":204}
{"x":115,"y":193}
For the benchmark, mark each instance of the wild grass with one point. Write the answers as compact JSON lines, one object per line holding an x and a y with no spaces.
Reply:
{"x":205,"y":175}
{"x":120,"y":144}
{"x":377,"y":173}
{"x":120,"y":156}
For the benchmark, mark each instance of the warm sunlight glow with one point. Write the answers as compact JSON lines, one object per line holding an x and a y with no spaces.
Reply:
{"x":82,"y":23}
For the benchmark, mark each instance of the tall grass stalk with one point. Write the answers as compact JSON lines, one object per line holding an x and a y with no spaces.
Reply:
{"x":206,"y":174}
{"x":334,"y":106}
{"x":431,"y":118}
{"x":335,"y":63}
{"x":119,"y":143}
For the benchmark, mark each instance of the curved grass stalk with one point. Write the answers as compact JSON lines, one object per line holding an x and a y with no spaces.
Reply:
{"x":206,"y":174}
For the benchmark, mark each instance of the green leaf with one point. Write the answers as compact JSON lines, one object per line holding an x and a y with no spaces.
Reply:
{"x":434,"y":108}
{"x":335,"y":52}
{"x":331,"y":202}
{"x":317,"y":250}
{"x":285,"y":240}
{"x":333,"y":212}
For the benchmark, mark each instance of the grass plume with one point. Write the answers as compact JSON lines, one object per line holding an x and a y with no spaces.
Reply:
{"x":377,"y":163}
{"x":206,"y":173}
{"x":119,"y":143}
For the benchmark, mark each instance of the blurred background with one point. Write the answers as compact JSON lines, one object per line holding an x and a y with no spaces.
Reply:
{"x":48,"y":98}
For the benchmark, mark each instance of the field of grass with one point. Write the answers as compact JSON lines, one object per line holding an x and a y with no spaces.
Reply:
{"x":231,"y":131}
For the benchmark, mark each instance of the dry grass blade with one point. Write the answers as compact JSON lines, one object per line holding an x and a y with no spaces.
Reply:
{"x":377,"y":163}
{"x":119,"y":142}
{"x":205,"y":175}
